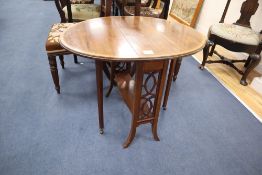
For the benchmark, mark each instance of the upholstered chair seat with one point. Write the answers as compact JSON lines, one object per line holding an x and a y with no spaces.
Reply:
{"x":144,"y":11}
{"x":83,"y":12}
{"x":236,"y":33}
{"x":81,"y":1}
{"x":52,"y":43}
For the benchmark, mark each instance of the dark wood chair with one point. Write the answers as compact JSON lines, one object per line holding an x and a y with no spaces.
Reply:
{"x":65,"y":6}
{"x":237,"y":37}
{"x":150,"y":11}
{"x":120,"y":4}
{"x":79,"y":10}
{"x":53,"y":47}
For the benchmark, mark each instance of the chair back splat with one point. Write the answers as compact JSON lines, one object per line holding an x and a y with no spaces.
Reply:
{"x":71,"y":11}
{"x":248,"y":9}
{"x":60,"y":4}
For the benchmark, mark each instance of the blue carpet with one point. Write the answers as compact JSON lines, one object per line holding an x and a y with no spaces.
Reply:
{"x":204,"y":131}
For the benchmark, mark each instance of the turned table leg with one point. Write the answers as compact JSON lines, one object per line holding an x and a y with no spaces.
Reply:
{"x":54,"y":72}
{"x":99,"y":83}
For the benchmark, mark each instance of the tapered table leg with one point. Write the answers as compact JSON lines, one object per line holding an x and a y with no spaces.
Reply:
{"x":99,"y":83}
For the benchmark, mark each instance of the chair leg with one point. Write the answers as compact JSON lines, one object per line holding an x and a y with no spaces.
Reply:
{"x":177,"y":68}
{"x":206,"y":53}
{"x":106,"y":70}
{"x":54,"y":72}
{"x":112,"y":76}
{"x":254,"y":61}
{"x":168,"y":84}
{"x":121,"y":10}
{"x":75,"y":59}
{"x":116,"y":11}
{"x":247,"y":62}
{"x":113,"y":7}
{"x":61,"y":58}
{"x":212,"y":50}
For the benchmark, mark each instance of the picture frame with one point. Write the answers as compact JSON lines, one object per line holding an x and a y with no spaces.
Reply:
{"x":186,"y":11}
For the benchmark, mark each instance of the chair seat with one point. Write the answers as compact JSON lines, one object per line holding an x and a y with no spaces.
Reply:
{"x":236,"y":33}
{"x":81,"y":12}
{"x":81,"y":1}
{"x":144,"y":11}
{"x":52,"y":43}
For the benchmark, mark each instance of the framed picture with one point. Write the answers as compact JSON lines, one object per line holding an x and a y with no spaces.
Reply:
{"x":186,"y":11}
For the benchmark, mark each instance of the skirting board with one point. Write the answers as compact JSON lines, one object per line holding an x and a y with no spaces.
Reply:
{"x":223,"y":84}
{"x":257,"y":84}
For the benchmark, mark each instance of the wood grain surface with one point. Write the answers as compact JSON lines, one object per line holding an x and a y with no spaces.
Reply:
{"x":130,"y":38}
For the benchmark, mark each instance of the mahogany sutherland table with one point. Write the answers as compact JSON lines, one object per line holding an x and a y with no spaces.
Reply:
{"x":148,"y":42}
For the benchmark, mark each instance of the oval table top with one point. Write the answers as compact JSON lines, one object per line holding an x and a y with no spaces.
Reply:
{"x":129,"y":38}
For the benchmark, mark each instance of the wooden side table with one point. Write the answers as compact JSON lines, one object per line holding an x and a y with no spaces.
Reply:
{"x":148,"y":42}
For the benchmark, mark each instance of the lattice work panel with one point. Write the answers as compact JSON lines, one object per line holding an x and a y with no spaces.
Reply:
{"x":148,"y":95}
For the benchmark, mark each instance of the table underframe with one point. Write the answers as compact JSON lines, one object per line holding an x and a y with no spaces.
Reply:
{"x":142,"y":94}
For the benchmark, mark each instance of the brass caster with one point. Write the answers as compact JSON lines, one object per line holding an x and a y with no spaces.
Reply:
{"x":58,"y":90}
{"x":156,"y":139}
{"x":125,"y":145}
{"x":101,"y":131}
